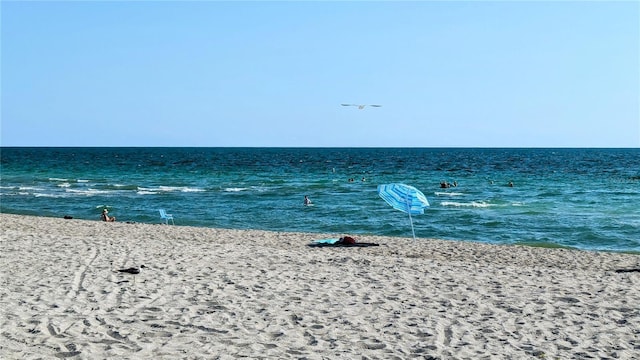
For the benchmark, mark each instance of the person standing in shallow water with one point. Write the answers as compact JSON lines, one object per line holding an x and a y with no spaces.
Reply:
{"x":307,"y":201}
{"x":105,"y":216}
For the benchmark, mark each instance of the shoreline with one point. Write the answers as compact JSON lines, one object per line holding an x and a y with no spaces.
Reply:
{"x":207,"y":292}
{"x":316,"y":235}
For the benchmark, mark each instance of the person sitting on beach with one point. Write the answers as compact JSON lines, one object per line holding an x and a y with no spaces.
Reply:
{"x":105,"y":216}
{"x":307,"y":201}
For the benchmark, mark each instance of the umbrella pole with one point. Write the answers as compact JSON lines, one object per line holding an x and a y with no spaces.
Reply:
{"x":412,"y":231}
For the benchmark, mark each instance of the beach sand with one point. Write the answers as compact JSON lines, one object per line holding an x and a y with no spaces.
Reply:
{"x":226,"y":294}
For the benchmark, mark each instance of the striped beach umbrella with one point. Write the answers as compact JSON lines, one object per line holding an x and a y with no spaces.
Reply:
{"x":405,"y":198}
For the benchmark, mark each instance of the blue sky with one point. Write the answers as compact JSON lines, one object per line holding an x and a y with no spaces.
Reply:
{"x":448,"y":74}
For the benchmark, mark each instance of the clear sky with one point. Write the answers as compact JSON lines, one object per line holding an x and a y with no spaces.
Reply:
{"x":459,"y":74}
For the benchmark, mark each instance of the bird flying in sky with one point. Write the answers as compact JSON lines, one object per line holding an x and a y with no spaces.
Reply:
{"x":360,"y":106}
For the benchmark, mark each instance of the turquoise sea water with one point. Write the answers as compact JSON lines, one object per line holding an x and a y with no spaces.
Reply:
{"x":580,"y":198}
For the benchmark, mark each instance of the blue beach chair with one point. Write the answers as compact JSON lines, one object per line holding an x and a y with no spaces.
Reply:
{"x":166,"y":217}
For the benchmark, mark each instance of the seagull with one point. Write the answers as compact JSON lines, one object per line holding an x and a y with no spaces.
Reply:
{"x":132,"y":271}
{"x":361,"y":106}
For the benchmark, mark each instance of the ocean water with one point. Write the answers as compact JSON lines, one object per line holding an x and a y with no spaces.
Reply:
{"x":579,"y":198}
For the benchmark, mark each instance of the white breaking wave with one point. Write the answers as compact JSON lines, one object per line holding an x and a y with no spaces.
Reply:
{"x":159,"y":189}
{"x":177,"y":188}
{"x":188,"y":189}
{"x":439,"y":193}
{"x":49,"y":195}
{"x":235,"y":189}
{"x":87,"y":192}
{"x":30,"y":188}
{"x":469,"y":204}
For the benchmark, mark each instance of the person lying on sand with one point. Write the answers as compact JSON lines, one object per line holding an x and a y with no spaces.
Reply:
{"x":346,"y":241}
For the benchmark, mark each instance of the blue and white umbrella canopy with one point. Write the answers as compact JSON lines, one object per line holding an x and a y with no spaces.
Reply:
{"x":405,"y":198}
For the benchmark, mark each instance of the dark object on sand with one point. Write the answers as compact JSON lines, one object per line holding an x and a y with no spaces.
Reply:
{"x":132,"y":270}
{"x":68,"y":217}
{"x":627,"y":270}
{"x":346,"y":241}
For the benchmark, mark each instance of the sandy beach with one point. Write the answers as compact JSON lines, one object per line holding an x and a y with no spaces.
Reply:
{"x":225,"y":294}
